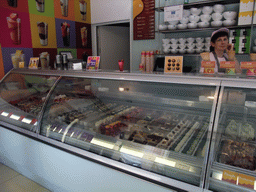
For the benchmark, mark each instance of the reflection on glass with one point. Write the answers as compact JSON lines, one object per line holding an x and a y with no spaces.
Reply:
{"x":153,"y":126}
{"x":22,"y":98}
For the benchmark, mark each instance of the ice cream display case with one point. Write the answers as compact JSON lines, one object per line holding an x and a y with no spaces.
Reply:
{"x":233,"y":159}
{"x":184,"y":132}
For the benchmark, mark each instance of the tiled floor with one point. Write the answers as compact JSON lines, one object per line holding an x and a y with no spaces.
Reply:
{"x":12,"y":181}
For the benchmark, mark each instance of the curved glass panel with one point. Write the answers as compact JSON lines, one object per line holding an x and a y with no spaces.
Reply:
{"x":22,"y":97}
{"x":235,"y":150}
{"x":158,"y":127}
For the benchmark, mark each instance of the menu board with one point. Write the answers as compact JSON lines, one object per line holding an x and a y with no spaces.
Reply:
{"x":143,"y":19}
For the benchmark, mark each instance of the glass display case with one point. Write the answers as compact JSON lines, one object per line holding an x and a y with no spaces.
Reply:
{"x":233,"y":157}
{"x":22,"y":98}
{"x":165,"y":128}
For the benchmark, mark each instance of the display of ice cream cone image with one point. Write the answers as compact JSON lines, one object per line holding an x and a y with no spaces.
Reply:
{"x":82,"y":5}
{"x":43,"y":33}
{"x":205,"y":56}
{"x":84,"y":36}
{"x":14,"y":24}
{"x":65,"y":28}
{"x":40,"y":5}
{"x":64,"y":7}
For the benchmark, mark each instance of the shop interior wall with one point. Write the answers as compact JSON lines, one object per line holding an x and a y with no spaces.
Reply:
{"x":30,"y":41}
{"x":60,"y":171}
{"x":191,"y":62}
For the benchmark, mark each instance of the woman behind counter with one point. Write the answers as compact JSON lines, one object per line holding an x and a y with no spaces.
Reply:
{"x":221,"y":50}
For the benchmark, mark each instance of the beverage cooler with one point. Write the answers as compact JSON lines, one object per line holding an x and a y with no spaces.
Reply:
{"x":187,"y":133}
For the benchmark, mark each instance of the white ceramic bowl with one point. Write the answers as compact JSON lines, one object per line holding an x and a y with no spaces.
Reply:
{"x":254,"y":49}
{"x":230,"y":15}
{"x":182,"y":26}
{"x":207,"y":49}
{"x":186,"y":13}
{"x":218,"y":8}
{"x":208,"y":40}
{"x":174,"y":41}
{"x":184,"y":20}
{"x":205,"y":18}
{"x":173,"y":22}
{"x":162,"y":27}
{"x":166,"y":41}
{"x":190,"y":40}
{"x":199,"y":50}
{"x":193,"y":18}
{"x":174,"y":51}
{"x":182,"y":46}
{"x":166,"y":51}
{"x":195,"y":11}
{"x":229,"y":22}
{"x":166,"y":46}
{"x":207,"y":10}
{"x":203,"y":24}
{"x":199,"y":45}
{"x":199,"y":39}
{"x":182,"y":51}
{"x":192,"y":25}
{"x":190,"y":51}
{"x":217,"y":16}
{"x":216,"y":23}
{"x":190,"y":45}
{"x":182,"y":40}
{"x":174,"y":46}
{"x":172,"y":27}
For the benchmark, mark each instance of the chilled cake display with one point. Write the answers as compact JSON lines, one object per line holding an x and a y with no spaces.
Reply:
{"x":236,"y":129}
{"x":239,"y":154}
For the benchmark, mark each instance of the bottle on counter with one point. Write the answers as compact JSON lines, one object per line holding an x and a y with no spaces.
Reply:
{"x":148,"y":61}
{"x":143,"y":61}
{"x":152,"y":61}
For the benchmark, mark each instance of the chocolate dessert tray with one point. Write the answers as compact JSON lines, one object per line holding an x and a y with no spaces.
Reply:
{"x":238,"y":154}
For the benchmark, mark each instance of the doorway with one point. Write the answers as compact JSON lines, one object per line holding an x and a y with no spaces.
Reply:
{"x":113,"y":44}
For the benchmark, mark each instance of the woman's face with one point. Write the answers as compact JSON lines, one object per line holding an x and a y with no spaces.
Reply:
{"x":220,"y":44}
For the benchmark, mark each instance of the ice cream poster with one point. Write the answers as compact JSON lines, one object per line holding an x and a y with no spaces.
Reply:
{"x":93,"y":63}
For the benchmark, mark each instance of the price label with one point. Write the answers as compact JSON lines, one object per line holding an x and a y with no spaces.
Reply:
{"x":248,"y":65}
{"x":173,"y":13}
{"x":208,"y":64}
{"x":227,"y":64}
{"x":21,"y":64}
{"x":229,"y":176}
{"x":246,"y":181}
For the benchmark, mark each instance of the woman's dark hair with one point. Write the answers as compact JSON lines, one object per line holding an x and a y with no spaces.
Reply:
{"x":216,"y":36}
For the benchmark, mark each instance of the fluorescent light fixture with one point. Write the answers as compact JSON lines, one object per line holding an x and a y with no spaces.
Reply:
{"x":60,"y":131}
{"x":25,"y":120}
{"x":35,"y":123}
{"x":72,"y":134}
{"x":5,"y":114}
{"x":102,"y":143}
{"x":210,"y":97}
{"x":15,"y":117}
{"x":217,"y":175}
{"x":165,"y":162}
{"x":131,"y":152}
{"x":54,"y":129}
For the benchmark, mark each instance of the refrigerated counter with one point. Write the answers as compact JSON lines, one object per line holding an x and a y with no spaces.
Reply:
{"x":187,"y":133}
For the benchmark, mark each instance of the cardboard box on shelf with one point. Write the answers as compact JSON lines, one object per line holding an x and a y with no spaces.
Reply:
{"x":234,"y":32}
{"x":246,"y":5}
{"x":245,"y":32}
{"x":245,"y":18}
